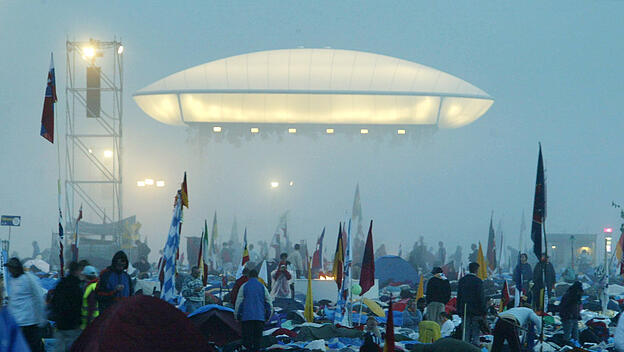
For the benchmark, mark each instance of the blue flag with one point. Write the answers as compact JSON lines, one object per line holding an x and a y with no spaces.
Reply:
{"x":169,"y":255}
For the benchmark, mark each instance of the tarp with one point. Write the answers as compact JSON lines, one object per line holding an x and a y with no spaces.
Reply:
{"x":142,"y":323}
{"x":327,"y":331}
{"x":217,"y":323}
{"x":391,"y":268}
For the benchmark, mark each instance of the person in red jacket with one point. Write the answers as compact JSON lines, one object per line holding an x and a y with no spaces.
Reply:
{"x":237,"y":285}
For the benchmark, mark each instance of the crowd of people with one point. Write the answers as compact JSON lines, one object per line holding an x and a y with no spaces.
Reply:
{"x":85,"y":292}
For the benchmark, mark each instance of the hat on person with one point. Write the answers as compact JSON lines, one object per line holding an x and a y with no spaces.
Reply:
{"x":89,"y":270}
{"x":13,"y":263}
{"x":436,"y":270}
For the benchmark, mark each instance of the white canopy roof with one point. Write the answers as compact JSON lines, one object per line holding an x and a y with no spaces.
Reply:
{"x":313,"y":86}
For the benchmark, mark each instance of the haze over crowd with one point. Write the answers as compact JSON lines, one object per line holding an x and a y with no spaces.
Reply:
{"x":554,"y":70}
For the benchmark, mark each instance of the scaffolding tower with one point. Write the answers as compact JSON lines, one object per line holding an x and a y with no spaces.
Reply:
{"x":93,"y":135}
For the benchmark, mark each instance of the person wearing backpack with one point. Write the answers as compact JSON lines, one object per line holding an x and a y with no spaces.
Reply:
{"x":66,"y":308}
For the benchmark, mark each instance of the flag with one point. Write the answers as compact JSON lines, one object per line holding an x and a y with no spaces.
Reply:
{"x":76,"y":238}
{"x":491,"y":247}
{"x":522,"y":229}
{"x":482,"y":274}
{"x":204,"y":254}
{"x":234,"y":233}
{"x":245,"y":258}
{"x":344,"y":301}
{"x":400,"y":250}
{"x":356,"y":212}
{"x":317,"y":256}
{"x":263,"y":274}
{"x":619,"y":251}
{"x":213,"y":254}
{"x":367,"y":273}
{"x":280,"y":237}
{"x":389,"y":343}
{"x":184,"y":193}
{"x":338,"y":259}
{"x":539,"y":207}
{"x":308,"y":312}
{"x":504,"y":297}
{"x":169,"y":254}
{"x":47,"y":116}
{"x":420,"y":293}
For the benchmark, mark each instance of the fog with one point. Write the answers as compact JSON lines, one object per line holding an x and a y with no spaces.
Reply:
{"x":553,"y":69}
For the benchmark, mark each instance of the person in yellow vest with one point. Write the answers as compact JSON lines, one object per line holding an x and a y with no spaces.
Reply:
{"x":90,"y":309}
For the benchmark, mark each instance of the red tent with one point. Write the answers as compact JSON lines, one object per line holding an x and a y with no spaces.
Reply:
{"x":141,"y":323}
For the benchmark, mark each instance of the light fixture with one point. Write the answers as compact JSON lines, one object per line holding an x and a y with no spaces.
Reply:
{"x":160,"y":183}
{"x":607,"y":230}
{"x":120,"y":50}
{"x":149,"y":181}
{"x":329,"y":131}
{"x":291,"y":183}
{"x":400,"y":131}
{"x":90,"y":151}
{"x":255,"y":130}
{"x":141,"y":183}
{"x":274,"y":184}
{"x":292,"y":130}
{"x":216,"y":129}
{"x":88,"y":52}
{"x":364,"y":131}
{"x":108,"y":153}
{"x":553,"y":246}
{"x":608,"y":238}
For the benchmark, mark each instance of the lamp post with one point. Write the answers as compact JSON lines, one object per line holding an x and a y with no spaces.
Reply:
{"x":605,"y":286}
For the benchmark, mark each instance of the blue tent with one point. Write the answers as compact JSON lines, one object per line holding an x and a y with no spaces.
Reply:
{"x":391,"y":268}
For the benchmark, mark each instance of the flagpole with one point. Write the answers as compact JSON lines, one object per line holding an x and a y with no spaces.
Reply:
{"x":58,"y":162}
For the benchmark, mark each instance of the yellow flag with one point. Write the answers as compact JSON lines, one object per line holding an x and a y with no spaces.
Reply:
{"x":482,"y":273}
{"x":421,"y":288}
{"x":308,"y":313}
{"x":374,"y":307}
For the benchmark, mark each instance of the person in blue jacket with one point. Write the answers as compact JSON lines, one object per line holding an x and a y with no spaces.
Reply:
{"x":254,"y":307}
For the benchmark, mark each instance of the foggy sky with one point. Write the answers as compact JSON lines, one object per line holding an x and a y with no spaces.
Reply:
{"x":554,"y":70}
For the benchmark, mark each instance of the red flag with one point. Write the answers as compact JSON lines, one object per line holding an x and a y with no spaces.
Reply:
{"x":619,"y":251}
{"x":504,"y":297}
{"x":317,"y":257}
{"x":367,"y":275}
{"x":389,"y":345}
{"x":47,"y":116}
{"x":338,"y":259}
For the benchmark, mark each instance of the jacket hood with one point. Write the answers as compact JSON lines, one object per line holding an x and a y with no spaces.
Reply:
{"x":119,"y":255}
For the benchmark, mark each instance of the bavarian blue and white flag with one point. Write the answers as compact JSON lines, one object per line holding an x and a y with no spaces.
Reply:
{"x":169,"y":256}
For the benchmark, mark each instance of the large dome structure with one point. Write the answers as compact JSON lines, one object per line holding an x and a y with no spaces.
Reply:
{"x":327,"y":87}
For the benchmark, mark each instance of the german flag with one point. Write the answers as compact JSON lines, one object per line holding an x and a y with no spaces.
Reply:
{"x":338,"y":259}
